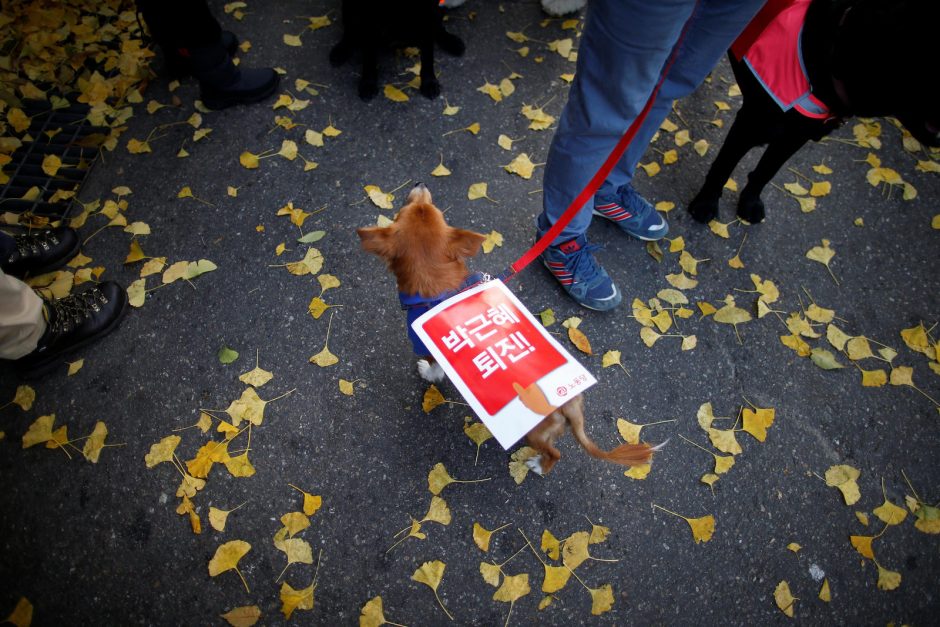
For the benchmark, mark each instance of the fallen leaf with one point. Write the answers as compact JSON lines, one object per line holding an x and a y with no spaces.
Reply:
{"x":844,"y":477}
{"x":431,"y":574}
{"x":292,"y":599}
{"x":244,"y":616}
{"x":95,"y":442}
{"x":784,"y":598}
{"x":226,"y":558}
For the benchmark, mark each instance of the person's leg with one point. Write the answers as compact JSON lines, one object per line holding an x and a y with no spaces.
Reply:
{"x":712,"y":27}
{"x":186,"y":30}
{"x":21,"y":319}
{"x":622,"y":52}
{"x":180,"y":23}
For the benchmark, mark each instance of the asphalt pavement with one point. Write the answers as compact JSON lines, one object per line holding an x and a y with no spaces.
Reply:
{"x":103,"y":544}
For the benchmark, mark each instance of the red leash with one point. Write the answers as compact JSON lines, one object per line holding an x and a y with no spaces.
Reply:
{"x":600,"y":176}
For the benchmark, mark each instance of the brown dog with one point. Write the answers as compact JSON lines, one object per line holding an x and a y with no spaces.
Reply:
{"x":428,"y":259}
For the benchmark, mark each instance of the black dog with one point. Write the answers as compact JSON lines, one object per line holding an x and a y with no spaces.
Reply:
{"x":861,"y":57}
{"x":371,"y":25}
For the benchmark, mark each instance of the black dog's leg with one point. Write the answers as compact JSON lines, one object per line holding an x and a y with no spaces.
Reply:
{"x":369,"y":81}
{"x":430,"y":88}
{"x":742,"y":136}
{"x":781,"y":148}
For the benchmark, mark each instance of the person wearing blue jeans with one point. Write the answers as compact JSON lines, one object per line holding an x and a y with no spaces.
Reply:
{"x":624,"y":50}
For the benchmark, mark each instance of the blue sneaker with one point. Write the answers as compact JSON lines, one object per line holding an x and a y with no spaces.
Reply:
{"x":633,"y":214}
{"x":579,"y":274}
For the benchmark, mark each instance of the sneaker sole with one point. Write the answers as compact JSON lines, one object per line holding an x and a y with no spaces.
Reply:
{"x":639,"y":237}
{"x":44,"y":366}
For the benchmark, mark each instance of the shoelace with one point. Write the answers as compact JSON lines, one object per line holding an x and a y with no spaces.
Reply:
{"x":32,"y":243}
{"x":582,"y":260}
{"x":71,"y":311}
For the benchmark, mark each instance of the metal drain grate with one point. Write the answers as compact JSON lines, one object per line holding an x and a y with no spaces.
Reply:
{"x":64,"y":132}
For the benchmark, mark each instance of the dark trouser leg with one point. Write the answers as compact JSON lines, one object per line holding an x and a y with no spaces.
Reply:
{"x":180,"y":23}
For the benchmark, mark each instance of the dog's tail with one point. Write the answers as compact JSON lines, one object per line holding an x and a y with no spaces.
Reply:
{"x":624,"y":455}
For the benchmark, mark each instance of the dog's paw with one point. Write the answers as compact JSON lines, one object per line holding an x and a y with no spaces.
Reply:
{"x":430,"y":372}
{"x":751,"y":209}
{"x":535,"y":465}
{"x":368,"y":89}
{"x":703,"y":210}
{"x":430,"y":88}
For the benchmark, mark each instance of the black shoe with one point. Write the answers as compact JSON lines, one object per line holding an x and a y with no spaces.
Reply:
{"x":223,"y":84}
{"x":72,"y":322}
{"x":42,"y":251}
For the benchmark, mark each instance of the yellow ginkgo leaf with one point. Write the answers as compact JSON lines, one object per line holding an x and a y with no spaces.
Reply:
{"x":888,"y":579}
{"x":324,"y":358}
{"x":310,"y":264}
{"x":550,"y":545}
{"x":431,"y":574}
{"x":820,"y":188}
{"x":825,"y":594}
{"x":22,"y":614}
{"x":720,"y":229}
{"x":492,"y":240}
{"x":724,"y":440}
{"x":432,"y":398}
{"x":477,"y":191}
{"x":638,"y":472}
{"x":491,"y":573}
{"x":513,"y":588}
{"x":95,"y":442}
{"x":784,"y":598}
{"x":902,"y":375}
{"x":226,"y":558}
{"x":874,"y":378}
{"x":372,"y":614}
{"x":249,"y":406}
{"x":574,"y":552}
{"x":844,"y":477}
{"x":162,"y":451}
{"x":292,"y":599}
{"x":24,"y":397}
{"x":521,"y":165}
{"x":556,"y":577}
{"x":863,"y":545}
{"x":757,"y":421}
{"x":602,"y":599}
{"x":395,"y":94}
{"x":580,"y":340}
{"x":244,"y":616}
{"x":889,"y":513}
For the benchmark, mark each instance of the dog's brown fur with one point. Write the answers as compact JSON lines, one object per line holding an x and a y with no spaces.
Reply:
{"x":428,"y":257}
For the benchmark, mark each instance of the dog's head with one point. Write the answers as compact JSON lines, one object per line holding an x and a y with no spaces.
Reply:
{"x":426,"y":255}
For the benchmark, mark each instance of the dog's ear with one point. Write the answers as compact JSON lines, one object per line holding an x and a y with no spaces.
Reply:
{"x":378,"y":240}
{"x":462,"y":243}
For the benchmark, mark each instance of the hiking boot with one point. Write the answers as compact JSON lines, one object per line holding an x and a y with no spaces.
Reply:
{"x":580,"y":275}
{"x":223,"y":84}
{"x":633,"y":214}
{"x":72,"y":322}
{"x":40,"y":251}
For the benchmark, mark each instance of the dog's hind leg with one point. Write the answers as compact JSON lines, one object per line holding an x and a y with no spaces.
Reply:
{"x":740,"y":139}
{"x":750,"y":206}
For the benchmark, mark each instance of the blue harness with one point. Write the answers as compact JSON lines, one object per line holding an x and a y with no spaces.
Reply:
{"x":416,"y":305}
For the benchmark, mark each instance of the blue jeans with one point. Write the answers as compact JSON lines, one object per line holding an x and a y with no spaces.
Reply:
{"x":623,"y":51}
